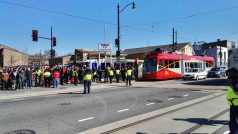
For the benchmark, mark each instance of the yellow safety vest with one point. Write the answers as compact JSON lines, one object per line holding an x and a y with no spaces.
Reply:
{"x":232,"y":97}
{"x":74,"y":73}
{"x":111,"y":73}
{"x":87,"y":77}
{"x":46,"y":74}
{"x":38,"y":72}
{"x":128,"y":72}
{"x":117,"y":72}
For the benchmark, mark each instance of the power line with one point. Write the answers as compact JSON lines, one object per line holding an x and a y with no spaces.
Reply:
{"x":57,"y":12}
{"x":77,"y":17}
{"x":185,"y":17}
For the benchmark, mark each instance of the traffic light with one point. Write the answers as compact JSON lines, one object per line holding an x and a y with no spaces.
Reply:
{"x":118,"y":53}
{"x":52,"y":52}
{"x":54,"y":41}
{"x":117,"y":43}
{"x":34,"y":35}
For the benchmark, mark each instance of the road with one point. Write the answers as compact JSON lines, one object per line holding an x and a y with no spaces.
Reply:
{"x":76,"y":112}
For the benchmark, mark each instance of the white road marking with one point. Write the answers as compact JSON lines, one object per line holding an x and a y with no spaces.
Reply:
{"x":227,"y":132}
{"x":150,"y":104}
{"x":90,"y":118}
{"x":186,"y":95}
{"x":170,"y":98}
{"x":123,"y":110}
{"x":17,"y":99}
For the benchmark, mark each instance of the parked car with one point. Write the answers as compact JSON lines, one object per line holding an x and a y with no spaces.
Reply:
{"x":195,"y":73}
{"x":217,"y":72}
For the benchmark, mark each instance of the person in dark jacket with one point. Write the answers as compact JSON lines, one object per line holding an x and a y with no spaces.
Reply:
{"x":28,"y":76}
{"x":99,"y":72}
{"x":20,"y":79}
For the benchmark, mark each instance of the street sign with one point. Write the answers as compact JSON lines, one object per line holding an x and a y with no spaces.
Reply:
{"x":104,"y":47}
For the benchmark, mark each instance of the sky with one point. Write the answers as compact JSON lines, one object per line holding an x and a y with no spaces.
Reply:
{"x":83,"y":24}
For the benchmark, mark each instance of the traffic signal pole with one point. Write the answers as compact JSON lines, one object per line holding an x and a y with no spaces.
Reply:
{"x":52,"y":43}
{"x":51,"y":47}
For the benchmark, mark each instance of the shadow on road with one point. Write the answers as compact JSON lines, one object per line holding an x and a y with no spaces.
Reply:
{"x":205,"y":121}
{"x":213,"y":82}
{"x":71,"y":93}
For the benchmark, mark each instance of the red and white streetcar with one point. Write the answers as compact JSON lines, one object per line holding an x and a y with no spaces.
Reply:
{"x":161,"y":66}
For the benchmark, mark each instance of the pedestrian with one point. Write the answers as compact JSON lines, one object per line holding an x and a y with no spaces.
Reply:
{"x":123,"y":74}
{"x":5,"y":78}
{"x":28,"y":76}
{"x":128,"y":76}
{"x":20,"y":79}
{"x":87,"y":80}
{"x":111,"y":73}
{"x":75,"y":76}
{"x":95,"y":75}
{"x":13,"y":77}
{"x":117,"y":75}
{"x":99,"y":72}
{"x":47,"y":78}
{"x":56,"y":76}
{"x":37,"y":77}
{"x":232,"y":99}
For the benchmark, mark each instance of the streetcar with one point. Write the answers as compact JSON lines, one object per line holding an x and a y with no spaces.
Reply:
{"x":162,"y":66}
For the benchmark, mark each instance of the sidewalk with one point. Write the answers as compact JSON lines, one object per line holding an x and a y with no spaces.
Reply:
{"x":190,"y":114}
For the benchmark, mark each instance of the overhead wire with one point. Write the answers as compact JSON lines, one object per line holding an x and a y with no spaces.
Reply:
{"x":110,"y":23}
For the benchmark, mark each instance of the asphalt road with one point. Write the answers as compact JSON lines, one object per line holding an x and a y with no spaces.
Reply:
{"x":76,"y":112}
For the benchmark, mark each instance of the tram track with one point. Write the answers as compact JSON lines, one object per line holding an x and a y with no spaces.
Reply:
{"x":170,"y":112}
{"x":192,"y":129}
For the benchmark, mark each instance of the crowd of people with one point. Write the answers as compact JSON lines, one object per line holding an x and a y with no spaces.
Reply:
{"x":13,"y":78}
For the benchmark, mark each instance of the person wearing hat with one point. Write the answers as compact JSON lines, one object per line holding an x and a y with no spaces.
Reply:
{"x":87,"y":79}
{"x":232,"y":99}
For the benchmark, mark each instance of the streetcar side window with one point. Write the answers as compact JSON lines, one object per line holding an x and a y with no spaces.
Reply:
{"x":166,"y":63}
{"x":176,"y":64}
{"x":171,"y":63}
{"x":161,"y":64}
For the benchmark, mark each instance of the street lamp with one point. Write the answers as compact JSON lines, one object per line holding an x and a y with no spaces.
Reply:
{"x":117,"y":41}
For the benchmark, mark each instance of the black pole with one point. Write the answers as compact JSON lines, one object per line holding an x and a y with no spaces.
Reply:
{"x":173,"y":42}
{"x":118,"y":27}
{"x":51,"y":47}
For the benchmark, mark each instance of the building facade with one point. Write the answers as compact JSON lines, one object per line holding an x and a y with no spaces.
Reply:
{"x":220,"y":55}
{"x":139,"y":53}
{"x":12,"y":57}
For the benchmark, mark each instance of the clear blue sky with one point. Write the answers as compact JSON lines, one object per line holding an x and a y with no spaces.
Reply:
{"x":207,"y":25}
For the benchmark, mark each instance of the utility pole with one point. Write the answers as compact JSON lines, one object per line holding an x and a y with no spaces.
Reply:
{"x":173,"y":41}
{"x":51,"y":47}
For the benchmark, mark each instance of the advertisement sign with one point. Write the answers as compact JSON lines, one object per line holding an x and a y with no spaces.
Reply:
{"x":104,"y":47}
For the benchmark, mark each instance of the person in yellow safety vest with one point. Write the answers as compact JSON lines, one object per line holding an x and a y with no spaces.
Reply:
{"x":75,"y":75}
{"x":47,"y":78}
{"x":232,"y":99}
{"x":111,"y":73}
{"x":117,"y":75}
{"x":38,"y":77}
{"x":128,"y":76}
{"x":87,"y":78}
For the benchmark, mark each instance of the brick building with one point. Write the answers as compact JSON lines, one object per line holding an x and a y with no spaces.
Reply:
{"x":12,"y":57}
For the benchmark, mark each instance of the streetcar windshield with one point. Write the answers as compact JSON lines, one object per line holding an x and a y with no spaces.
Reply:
{"x":150,"y":65}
